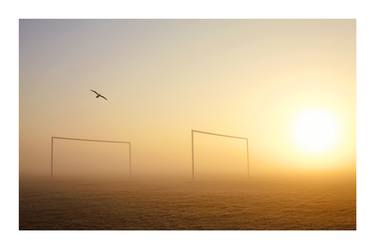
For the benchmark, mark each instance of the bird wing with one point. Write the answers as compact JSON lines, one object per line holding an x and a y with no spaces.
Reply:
{"x":103,"y":97}
{"x":94,"y":91}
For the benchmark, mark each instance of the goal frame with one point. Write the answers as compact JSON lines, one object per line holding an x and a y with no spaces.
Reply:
{"x":220,"y":135}
{"x":53,"y":138}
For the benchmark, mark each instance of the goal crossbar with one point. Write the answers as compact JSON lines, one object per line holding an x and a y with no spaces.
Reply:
{"x":89,"y":140}
{"x":220,"y":135}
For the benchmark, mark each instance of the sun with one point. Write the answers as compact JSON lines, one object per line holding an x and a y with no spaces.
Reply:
{"x":316,"y":131}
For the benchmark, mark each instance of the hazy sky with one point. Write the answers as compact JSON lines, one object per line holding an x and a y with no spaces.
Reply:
{"x":249,"y":78}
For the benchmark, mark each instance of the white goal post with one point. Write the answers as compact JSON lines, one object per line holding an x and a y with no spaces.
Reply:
{"x":90,"y":140}
{"x":220,"y":135}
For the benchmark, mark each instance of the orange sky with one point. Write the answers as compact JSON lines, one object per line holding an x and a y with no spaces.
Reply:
{"x":249,"y":78}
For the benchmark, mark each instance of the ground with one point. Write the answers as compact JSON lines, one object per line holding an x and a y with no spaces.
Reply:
{"x":143,"y":204}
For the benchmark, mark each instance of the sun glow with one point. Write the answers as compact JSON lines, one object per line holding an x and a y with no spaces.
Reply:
{"x":316,"y":131}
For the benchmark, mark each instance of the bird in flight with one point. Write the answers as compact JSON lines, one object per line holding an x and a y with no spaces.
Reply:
{"x":98,"y":95}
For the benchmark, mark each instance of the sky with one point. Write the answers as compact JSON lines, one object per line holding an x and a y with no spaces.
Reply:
{"x":249,"y":78}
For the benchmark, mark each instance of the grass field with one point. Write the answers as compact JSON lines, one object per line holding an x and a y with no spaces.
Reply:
{"x":253,"y":204}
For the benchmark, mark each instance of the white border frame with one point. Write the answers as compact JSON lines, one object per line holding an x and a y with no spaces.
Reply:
{"x":11,"y":11}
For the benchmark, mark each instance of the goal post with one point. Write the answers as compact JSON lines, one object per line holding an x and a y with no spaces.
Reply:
{"x":90,"y":140}
{"x":193,"y":132}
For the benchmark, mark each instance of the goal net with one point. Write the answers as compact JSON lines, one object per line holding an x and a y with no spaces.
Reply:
{"x":193,"y":152}
{"x":89,"y":155}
